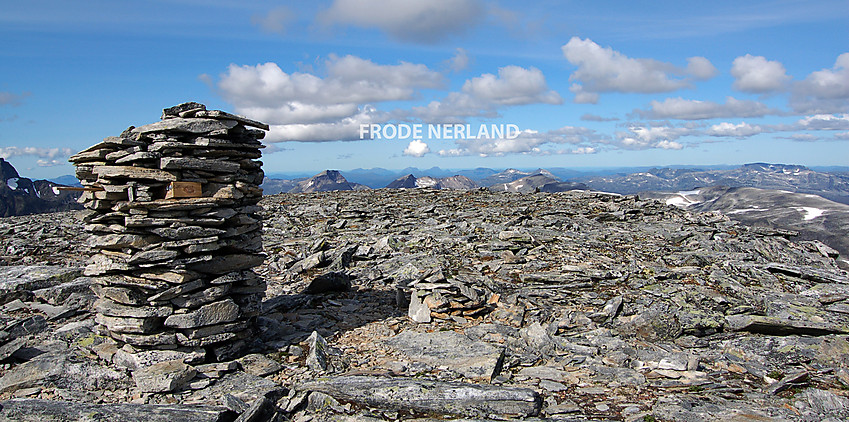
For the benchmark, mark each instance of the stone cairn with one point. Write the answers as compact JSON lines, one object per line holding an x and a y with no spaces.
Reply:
{"x":446,"y":298}
{"x":175,"y":230}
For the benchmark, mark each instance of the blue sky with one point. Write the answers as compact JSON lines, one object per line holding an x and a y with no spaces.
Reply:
{"x":589,"y":84}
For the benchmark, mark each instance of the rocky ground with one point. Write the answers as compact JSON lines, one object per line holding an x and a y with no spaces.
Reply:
{"x":571,"y":306}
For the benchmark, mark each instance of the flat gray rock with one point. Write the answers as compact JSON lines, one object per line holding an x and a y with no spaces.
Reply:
{"x":190,"y":125}
{"x":164,"y":376}
{"x":35,"y":410}
{"x":451,"y":398}
{"x":473,"y":359}
{"x":213,"y":313}
{"x":19,"y":278}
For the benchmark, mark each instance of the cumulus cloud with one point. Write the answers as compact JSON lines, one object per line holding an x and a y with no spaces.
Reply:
{"x":482,"y":95}
{"x":758,"y":75}
{"x":740,"y":130}
{"x":843,"y":136}
{"x":345,"y":129}
{"x":350,"y":80}
{"x":456,"y":107}
{"x":305,"y":107}
{"x":276,"y":21}
{"x":824,"y":122}
{"x":701,"y":68}
{"x":51,"y":153}
{"x":602,"y":69}
{"x":514,"y":85}
{"x":416,"y":148}
{"x":824,"y":91}
{"x":9,"y":98}
{"x":420,"y":21}
{"x":460,"y":61}
{"x":645,"y":137}
{"x":679,"y":108}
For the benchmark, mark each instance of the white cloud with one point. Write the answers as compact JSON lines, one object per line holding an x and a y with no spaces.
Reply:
{"x":584,"y":150}
{"x":460,"y":61}
{"x":824,"y":122}
{"x":583,"y":97}
{"x":643,"y":137}
{"x":701,"y":68}
{"x":740,"y":130}
{"x":422,"y":21}
{"x":824,"y":91}
{"x":305,"y":107}
{"x":9,"y":98}
{"x":679,"y":108}
{"x":514,"y":85}
{"x":844,"y":136}
{"x":666,"y":144}
{"x":606,"y":70}
{"x":350,"y":80}
{"x":758,"y":75}
{"x":51,"y":153}
{"x":416,"y":148}
{"x":345,"y":129}
{"x":276,"y":21}
{"x":51,"y":163}
{"x":481,"y":96}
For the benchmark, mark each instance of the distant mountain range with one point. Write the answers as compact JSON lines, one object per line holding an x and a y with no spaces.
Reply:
{"x":22,"y":196}
{"x":792,"y":178}
{"x":814,"y":217}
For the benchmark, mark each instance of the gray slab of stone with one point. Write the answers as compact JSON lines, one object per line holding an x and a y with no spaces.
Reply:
{"x":788,"y":382}
{"x":226,"y":263}
{"x":11,"y":347}
{"x":218,"y":114}
{"x":56,"y":369}
{"x":186,"y":232}
{"x":129,"y":172}
{"x":164,"y":376}
{"x":261,"y":410}
{"x":210,"y":314}
{"x":782,"y":326}
{"x":129,"y":325}
{"x":124,"y":295}
{"x":473,"y":359}
{"x":188,"y":163}
{"x":317,"y":358}
{"x":145,"y":358}
{"x":259,"y":365}
{"x":37,"y":410}
{"x":190,"y":125}
{"x":824,"y":402}
{"x":418,"y":311}
{"x":242,"y":385}
{"x":108,"y":307}
{"x":449,"y":398}
{"x":33,"y":277}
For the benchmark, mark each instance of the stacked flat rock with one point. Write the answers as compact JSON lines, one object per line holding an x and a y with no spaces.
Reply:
{"x":447,"y":298}
{"x":173,"y":260}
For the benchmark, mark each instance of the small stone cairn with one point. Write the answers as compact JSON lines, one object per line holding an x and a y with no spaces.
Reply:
{"x":176,"y":231}
{"x":435,"y":296}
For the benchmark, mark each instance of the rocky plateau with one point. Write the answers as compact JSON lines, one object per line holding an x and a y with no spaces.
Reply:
{"x":423,"y":304}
